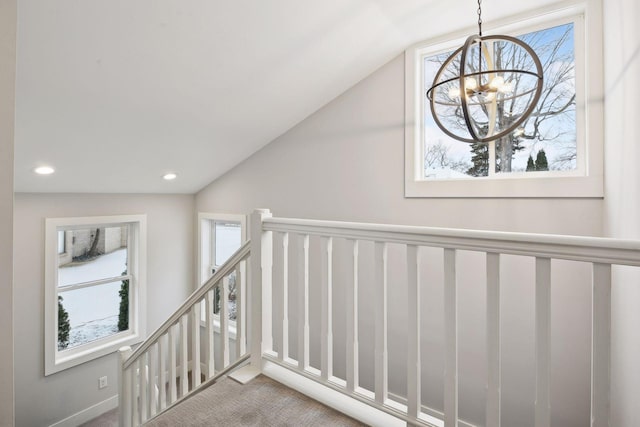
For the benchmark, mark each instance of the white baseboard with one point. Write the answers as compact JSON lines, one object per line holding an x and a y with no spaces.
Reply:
{"x":89,"y":413}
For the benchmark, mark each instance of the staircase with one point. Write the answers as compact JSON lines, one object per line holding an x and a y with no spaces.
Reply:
{"x":276,"y":331}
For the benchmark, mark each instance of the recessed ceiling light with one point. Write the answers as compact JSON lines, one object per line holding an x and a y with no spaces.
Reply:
{"x":44,"y":170}
{"x":169,"y":176}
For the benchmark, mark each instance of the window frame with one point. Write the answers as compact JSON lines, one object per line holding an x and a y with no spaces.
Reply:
{"x":206,"y":245}
{"x":585,"y":181}
{"x":206,"y":248}
{"x":58,"y":360}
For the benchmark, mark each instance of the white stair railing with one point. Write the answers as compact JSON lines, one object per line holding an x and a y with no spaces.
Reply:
{"x":600,"y":253}
{"x":155,"y":375}
{"x":193,"y":343}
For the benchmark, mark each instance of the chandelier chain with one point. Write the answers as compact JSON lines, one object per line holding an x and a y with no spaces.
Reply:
{"x":480,"y":18}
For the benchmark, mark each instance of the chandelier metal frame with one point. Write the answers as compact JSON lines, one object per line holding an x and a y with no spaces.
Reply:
{"x":487,"y":91}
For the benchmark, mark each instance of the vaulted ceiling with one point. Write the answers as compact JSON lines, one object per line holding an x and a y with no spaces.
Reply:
{"x":114,"y":94}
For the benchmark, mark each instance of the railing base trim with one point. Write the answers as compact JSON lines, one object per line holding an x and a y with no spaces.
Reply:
{"x":245,"y":374}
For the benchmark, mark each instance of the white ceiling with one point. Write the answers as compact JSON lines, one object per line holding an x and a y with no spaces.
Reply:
{"x":116,"y":93}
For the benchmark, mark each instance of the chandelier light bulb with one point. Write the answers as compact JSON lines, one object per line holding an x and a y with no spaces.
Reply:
{"x":497,"y":83}
{"x":470,"y":83}
{"x":454,"y":92}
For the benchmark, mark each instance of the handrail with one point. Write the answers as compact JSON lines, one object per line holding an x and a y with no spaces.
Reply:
{"x":576,"y":248}
{"x":196,"y":296}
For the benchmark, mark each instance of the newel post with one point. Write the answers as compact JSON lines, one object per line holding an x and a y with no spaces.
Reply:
{"x":260,"y":285}
{"x":124,"y":385}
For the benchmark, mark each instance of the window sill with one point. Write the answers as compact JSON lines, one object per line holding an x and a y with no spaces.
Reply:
{"x":216,"y":327}
{"x":511,"y":187}
{"x":84,"y":353}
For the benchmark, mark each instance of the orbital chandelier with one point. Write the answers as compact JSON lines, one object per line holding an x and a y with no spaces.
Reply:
{"x":480,"y":94}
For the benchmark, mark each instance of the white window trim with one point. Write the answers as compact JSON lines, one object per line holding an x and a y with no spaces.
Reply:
{"x":204,"y":245}
{"x":205,"y":251}
{"x":58,"y":360}
{"x":589,"y":113}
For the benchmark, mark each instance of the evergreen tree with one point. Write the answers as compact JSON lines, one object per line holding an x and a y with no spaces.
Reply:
{"x":123,"y":315}
{"x":64,"y":327}
{"x":530,"y":165}
{"x":541,"y":161}
{"x":480,"y":159}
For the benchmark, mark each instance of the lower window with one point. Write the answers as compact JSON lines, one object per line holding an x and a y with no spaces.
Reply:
{"x":94,"y":287}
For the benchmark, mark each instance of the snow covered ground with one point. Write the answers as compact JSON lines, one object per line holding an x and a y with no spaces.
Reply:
{"x":92,"y":331}
{"x":107,"y":265}
{"x":90,"y":321}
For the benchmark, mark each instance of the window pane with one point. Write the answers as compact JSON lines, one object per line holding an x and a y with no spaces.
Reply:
{"x":444,"y":157}
{"x":87,"y":321}
{"x":228,"y":240}
{"x":231,"y":298}
{"x":61,"y":242}
{"x":545,"y":141}
{"x":96,"y":253}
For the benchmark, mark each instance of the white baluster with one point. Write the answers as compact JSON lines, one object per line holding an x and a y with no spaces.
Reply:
{"x":600,"y":345}
{"x":144,"y":387}
{"x":184,"y":355}
{"x":124,"y":383}
{"x":195,"y":346}
{"x":173,"y":363}
{"x":451,"y":340}
{"x":543,"y":347}
{"x":284,"y":326}
{"x":413,"y":332}
{"x":224,"y":321}
{"x":136,"y":390}
{"x":241,"y":346}
{"x":352,"y":322}
{"x":153,"y":390}
{"x":261,"y":256}
{"x":162,"y":368}
{"x":326,"y":345}
{"x":133,"y":415}
{"x":380,"y":295}
{"x":493,"y":340}
{"x":303,"y":292}
{"x":210,"y":330}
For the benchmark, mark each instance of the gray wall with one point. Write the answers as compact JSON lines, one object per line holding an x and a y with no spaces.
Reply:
{"x":7,"y":114}
{"x":345,"y":162}
{"x":622,"y":204}
{"x":40,"y":400}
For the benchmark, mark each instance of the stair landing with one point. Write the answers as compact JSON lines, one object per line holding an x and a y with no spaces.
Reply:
{"x":260,"y":402}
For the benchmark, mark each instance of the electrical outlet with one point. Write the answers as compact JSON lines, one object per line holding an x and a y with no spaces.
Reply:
{"x":102,"y":382}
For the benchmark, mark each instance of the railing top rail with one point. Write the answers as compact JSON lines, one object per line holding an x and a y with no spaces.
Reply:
{"x":240,"y":255}
{"x":577,"y":248}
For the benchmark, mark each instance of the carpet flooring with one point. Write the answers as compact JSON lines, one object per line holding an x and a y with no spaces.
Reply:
{"x":262,"y":402}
